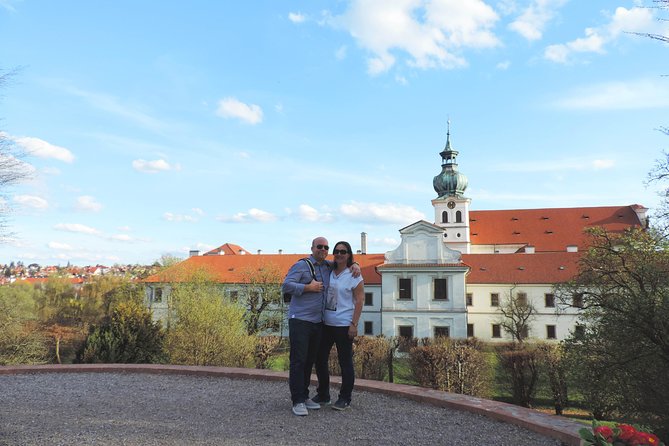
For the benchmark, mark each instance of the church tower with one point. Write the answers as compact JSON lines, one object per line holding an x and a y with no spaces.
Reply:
{"x":451,"y":207}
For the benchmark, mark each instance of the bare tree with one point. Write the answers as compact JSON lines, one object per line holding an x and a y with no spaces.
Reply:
{"x":517,"y":315}
{"x":660,"y":174}
{"x":12,"y":169}
{"x":262,"y":299}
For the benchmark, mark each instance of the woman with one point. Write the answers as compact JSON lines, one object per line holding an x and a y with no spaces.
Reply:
{"x":343,"y":306}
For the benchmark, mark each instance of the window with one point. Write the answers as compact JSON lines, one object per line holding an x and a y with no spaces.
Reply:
{"x":405,"y":289}
{"x":524,"y":332}
{"x":369,"y":299}
{"x":157,"y":295}
{"x":577,"y":300}
{"x":406,"y":337}
{"x":234,"y":295}
{"x":494,"y":299}
{"x":458,"y":217}
{"x":550,"y":300}
{"x":579,"y":331}
{"x":440,"y":289}
{"x":444,"y":217}
{"x":442,"y":332}
{"x":470,"y":330}
{"x":496,"y":331}
{"x":550,"y":332}
{"x":521,"y":299}
{"x":406,"y":331}
{"x":470,"y":299}
{"x":369,"y":328}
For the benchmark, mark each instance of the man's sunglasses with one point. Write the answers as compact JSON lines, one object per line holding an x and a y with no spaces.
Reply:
{"x":325,"y":247}
{"x":339,"y":251}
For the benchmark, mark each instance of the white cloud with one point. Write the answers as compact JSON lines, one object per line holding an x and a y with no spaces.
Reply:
{"x":31,"y":201}
{"x":87,"y":203}
{"x":531,"y":23}
{"x":122,"y":238}
{"x":375,"y":212}
{"x":340,"y":54}
{"x":296,"y":17}
{"x":154,"y":166}
{"x":233,"y":108}
{"x":636,"y":19}
{"x":7,"y":4}
{"x":50,"y":171}
{"x":633,"y":95}
{"x":60,"y":246}
{"x":603,"y":164}
{"x":431,"y":33}
{"x":253,"y":215}
{"x":308,"y":213}
{"x":504,"y":65}
{"x":169,"y":216}
{"x":76,"y":227}
{"x":42,"y":149}
{"x":112,"y":105}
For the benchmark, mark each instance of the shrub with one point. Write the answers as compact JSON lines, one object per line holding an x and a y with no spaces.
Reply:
{"x":457,"y":366}
{"x":554,"y":368}
{"x":129,"y":336}
{"x":520,"y":362}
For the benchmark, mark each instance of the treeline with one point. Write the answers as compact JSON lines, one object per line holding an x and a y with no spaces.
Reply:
{"x":107,"y":321}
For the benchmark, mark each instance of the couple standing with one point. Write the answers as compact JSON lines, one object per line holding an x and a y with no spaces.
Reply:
{"x":324,"y":310}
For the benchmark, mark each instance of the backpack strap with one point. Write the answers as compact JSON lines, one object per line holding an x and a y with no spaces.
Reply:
{"x":311,"y":267}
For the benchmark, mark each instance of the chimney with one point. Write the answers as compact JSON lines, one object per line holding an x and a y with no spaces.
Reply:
{"x":280,"y":251}
{"x":259,"y":251}
{"x":363,"y":243}
{"x":193,"y":253}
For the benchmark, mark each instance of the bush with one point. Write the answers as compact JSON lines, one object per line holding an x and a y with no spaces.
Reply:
{"x":554,"y":368}
{"x":370,"y":356}
{"x":520,"y":364}
{"x":265,"y":347}
{"x":130,"y":336}
{"x":457,"y":366}
{"x":207,"y":329}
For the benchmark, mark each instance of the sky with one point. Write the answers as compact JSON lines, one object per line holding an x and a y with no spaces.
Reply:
{"x":158,"y":127}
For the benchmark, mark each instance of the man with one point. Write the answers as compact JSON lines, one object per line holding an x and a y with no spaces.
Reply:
{"x":305,"y":319}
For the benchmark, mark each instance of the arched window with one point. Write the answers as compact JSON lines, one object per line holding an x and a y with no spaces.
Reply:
{"x":444,"y":217}
{"x":458,"y":217}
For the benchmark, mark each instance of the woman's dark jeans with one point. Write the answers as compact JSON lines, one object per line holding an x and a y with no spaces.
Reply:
{"x":305,"y":338}
{"x":335,"y":336}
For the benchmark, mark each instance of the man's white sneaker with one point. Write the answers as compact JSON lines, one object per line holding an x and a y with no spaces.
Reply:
{"x":300,"y":409}
{"x":311,"y":405}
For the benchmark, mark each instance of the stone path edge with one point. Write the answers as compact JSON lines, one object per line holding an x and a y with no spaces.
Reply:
{"x":552,"y":426}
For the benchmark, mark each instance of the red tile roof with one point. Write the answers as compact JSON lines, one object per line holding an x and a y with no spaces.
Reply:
{"x":547,"y":229}
{"x":227,"y":249}
{"x":539,"y":268}
{"x":234,"y":269}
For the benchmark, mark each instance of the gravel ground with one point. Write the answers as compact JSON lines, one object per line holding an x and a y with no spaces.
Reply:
{"x":146,"y":409}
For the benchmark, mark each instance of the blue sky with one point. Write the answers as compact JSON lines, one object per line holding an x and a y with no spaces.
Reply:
{"x":157,"y":127}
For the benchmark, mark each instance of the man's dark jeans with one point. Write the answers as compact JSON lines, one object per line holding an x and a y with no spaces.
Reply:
{"x":338,"y":336}
{"x":305,"y":338}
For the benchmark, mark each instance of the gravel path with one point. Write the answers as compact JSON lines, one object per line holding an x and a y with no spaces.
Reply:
{"x":146,"y":409}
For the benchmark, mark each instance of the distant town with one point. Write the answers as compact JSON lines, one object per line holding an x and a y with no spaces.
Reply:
{"x":35,"y":273}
